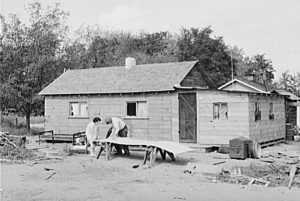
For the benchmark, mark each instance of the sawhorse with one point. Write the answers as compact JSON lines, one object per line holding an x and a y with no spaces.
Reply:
{"x":150,"y":152}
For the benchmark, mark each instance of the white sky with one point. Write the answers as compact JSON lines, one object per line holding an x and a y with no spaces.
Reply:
{"x":257,"y":26}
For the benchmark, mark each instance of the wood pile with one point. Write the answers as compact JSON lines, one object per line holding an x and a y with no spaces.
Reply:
{"x":12,"y":148}
{"x":286,"y":166}
{"x":12,"y":140}
{"x":272,"y":169}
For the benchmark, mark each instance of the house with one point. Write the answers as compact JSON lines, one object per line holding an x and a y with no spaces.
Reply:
{"x":169,"y":101}
{"x":291,"y":100}
{"x":292,"y":111}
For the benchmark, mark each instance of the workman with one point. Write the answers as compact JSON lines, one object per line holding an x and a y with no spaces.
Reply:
{"x":92,"y":133}
{"x":118,"y":129}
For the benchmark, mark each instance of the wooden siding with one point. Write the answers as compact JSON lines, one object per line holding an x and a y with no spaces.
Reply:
{"x":265,"y":130}
{"x":212,"y":131}
{"x":291,"y":115}
{"x":161,"y":123}
{"x":195,"y":78}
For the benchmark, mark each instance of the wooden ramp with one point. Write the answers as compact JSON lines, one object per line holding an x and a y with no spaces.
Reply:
{"x":152,"y":147}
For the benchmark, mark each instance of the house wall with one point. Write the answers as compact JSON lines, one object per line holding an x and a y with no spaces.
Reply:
{"x":291,"y":116}
{"x":212,"y":131}
{"x":265,"y":129}
{"x":298,"y":116}
{"x":161,"y":123}
{"x":238,"y":87}
{"x":195,"y":78}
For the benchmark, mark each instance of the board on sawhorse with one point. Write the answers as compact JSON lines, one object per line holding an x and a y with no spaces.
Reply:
{"x":151,"y":153}
{"x":152,"y":147}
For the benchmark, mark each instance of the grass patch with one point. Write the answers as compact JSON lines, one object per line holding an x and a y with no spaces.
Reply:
{"x":16,"y":125}
{"x":16,"y":154}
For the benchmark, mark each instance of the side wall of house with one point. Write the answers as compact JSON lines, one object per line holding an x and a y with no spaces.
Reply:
{"x":267,"y":129}
{"x":212,"y":131}
{"x":160,"y":124}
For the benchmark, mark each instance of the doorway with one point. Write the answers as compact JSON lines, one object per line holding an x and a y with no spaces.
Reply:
{"x":187,"y":117}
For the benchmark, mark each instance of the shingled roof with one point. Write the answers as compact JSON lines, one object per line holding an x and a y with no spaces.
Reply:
{"x":139,"y":78}
{"x":288,"y":94}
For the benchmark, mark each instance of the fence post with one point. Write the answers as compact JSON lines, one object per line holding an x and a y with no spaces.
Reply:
{"x":52,"y":137}
{"x":16,"y":121}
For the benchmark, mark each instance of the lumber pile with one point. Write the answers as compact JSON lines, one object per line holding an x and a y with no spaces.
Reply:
{"x":287,"y":166}
{"x":12,"y":140}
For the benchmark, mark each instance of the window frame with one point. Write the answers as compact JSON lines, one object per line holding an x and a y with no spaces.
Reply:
{"x":257,"y":111}
{"x":136,"y":110}
{"x":271,"y":111}
{"x":80,"y":103}
{"x":219,"y":115}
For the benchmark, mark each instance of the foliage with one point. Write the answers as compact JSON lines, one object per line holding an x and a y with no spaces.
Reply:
{"x":260,"y":67}
{"x":30,"y":56}
{"x":16,"y":125}
{"x":211,"y":52}
{"x":96,"y":48}
{"x":289,"y":82}
{"x":16,"y":154}
{"x":33,"y":55}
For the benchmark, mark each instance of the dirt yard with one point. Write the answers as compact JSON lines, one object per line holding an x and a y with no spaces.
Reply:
{"x":81,"y":177}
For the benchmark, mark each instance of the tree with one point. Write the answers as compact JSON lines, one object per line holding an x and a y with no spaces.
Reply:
{"x":212,"y":54}
{"x":261,"y":68}
{"x":32,"y":55}
{"x":289,"y":82}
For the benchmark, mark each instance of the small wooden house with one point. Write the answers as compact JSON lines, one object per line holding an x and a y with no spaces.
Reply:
{"x":292,"y":110}
{"x":291,"y":100}
{"x":170,"y":101}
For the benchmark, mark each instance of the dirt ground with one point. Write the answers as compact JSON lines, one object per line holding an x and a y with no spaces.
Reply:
{"x":81,"y":177}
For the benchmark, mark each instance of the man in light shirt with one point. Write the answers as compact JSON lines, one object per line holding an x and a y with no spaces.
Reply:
{"x":92,"y":133}
{"x":118,"y":129}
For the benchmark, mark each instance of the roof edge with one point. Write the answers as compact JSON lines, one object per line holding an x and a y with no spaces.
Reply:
{"x":241,"y":82}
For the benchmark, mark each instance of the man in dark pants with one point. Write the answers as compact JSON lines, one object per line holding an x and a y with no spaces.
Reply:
{"x":118,"y":129}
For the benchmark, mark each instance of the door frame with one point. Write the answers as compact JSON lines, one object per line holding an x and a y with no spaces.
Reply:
{"x":194,"y":140}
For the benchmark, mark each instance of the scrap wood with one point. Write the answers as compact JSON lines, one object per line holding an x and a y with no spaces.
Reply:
{"x":292,"y":175}
{"x":267,"y":160}
{"x":48,"y":169}
{"x":258,"y":182}
{"x":220,"y":162}
{"x":273,"y":167}
{"x":51,"y":175}
{"x":31,"y":163}
{"x":50,"y":157}
{"x":9,"y":141}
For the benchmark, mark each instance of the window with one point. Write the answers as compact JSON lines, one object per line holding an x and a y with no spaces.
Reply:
{"x":78,"y":109}
{"x":220,"y":111}
{"x":137,"y":109}
{"x":257,"y":112}
{"x":271,"y":111}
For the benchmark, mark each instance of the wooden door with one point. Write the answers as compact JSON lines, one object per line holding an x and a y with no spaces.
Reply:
{"x":187,"y":117}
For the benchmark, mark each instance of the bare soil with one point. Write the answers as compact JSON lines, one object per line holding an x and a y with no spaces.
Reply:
{"x":81,"y":177}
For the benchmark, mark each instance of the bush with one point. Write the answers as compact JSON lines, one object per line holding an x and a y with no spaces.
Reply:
{"x":12,"y":153}
{"x":8,"y":124}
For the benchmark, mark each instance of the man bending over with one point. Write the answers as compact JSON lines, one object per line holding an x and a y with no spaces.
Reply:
{"x":118,"y":129}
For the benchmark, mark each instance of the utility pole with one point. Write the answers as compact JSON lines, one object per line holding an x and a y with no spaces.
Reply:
{"x":231,"y":61}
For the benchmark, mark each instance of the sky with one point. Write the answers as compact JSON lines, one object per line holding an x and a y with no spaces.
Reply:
{"x":270,"y":27}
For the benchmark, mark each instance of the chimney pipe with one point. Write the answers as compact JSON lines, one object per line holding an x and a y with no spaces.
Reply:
{"x":129,"y":62}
